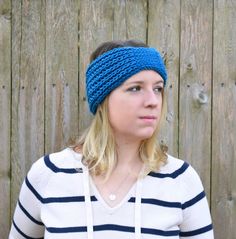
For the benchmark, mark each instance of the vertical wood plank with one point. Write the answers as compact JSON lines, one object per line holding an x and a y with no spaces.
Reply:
{"x":61,"y":102}
{"x":130,"y":19}
{"x":5,"y":114}
{"x":104,"y":20}
{"x":163,"y":33}
{"x":195,"y":86}
{"x":28,"y":33}
{"x":224,"y":118}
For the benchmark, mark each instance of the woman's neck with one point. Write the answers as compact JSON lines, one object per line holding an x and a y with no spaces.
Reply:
{"x":127,"y":153}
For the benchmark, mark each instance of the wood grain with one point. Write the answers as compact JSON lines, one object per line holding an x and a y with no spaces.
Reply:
{"x":224,"y":120}
{"x":28,"y":69}
{"x":61,"y":99}
{"x":5,"y":114}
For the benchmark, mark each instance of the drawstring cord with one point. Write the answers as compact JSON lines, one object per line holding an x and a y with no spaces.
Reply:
{"x":137,"y":209}
{"x":88,"y":205}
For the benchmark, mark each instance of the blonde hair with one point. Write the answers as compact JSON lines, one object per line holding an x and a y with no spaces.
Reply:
{"x":97,"y":145}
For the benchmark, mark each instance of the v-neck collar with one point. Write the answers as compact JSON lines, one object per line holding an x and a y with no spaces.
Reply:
{"x":101,"y":200}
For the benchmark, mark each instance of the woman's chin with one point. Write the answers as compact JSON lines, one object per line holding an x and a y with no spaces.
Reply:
{"x":147,"y":134}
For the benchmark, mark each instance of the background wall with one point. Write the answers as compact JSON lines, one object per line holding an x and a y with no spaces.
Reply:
{"x":45,"y":47}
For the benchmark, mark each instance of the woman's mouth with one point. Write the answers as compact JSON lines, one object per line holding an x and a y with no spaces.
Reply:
{"x":148,"y":118}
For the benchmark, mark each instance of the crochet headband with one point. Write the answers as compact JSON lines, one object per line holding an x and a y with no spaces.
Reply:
{"x":111,"y":69}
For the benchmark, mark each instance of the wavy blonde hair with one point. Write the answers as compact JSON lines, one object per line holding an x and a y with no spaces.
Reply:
{"x":97,"y":145}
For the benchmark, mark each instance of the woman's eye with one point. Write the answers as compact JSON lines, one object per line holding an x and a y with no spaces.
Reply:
{"x":158,"y":89}
{"x":134,"y":88}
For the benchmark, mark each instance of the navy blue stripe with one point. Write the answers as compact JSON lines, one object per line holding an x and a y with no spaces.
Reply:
{"x":22,"y":233}
{"x":106,"y":227}
{"x":196,"y":199}
{"x":93,"y":198}
{"x":173,"y":175}
{"x":56,"y":199}
{"x":66,"y":229}
{"x":196,"y":232}
{"x":55,"y":169}
{"x":31,"y":188}
{"x":67,"y":199}
{"x":113,"y":227}
{"x":160,"y":232}
{"x":158,"y":202}
{"x":28,"y":215}
{"x":63,"y":199}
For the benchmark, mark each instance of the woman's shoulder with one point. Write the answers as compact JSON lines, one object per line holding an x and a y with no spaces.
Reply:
{"x":172,"y":168}
{"x":186,"y":177}
{"x":61,"y":161}
{"x":65,"y":161}
{"x":45,"y":168}
{"x":180,"y":171}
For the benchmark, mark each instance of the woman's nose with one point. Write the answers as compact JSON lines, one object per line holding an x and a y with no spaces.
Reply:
{"x":151,"y":98}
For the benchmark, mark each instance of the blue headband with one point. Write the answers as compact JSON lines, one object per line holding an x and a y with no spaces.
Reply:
{"x":112,"y":68}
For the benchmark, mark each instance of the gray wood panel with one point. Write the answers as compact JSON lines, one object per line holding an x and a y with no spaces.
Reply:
{"x":224,"y":120}
{"x":5,"y":113}
{"x":28,"y":69}
{"x":61,"y":99}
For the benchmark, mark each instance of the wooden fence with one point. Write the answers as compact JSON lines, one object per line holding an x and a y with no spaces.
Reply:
{"x":44,"y":50}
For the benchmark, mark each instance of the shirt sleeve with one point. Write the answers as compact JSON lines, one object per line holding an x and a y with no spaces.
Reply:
{"x":197,"y":223}
{"x":26,"y":221}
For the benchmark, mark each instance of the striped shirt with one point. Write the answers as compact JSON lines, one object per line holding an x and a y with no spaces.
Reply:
{"x":55,"y":203}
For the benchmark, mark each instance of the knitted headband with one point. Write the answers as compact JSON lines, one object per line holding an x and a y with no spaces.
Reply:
{"x":111,"y":69}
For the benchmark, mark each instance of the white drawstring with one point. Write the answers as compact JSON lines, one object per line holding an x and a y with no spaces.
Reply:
{"x":87,"y":197}
{"x":89,"y":213}
{"x":137,"y":212}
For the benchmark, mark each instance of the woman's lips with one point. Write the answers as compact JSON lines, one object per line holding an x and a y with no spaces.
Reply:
{"x":148,"y":118}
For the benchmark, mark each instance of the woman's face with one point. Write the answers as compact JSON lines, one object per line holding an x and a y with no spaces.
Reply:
{"x":134,"y":108}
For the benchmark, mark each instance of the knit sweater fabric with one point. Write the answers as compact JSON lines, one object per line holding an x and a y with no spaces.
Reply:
{"x":52,"y":204}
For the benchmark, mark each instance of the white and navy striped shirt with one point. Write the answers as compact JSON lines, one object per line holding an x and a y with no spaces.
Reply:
{"x":52,"y":204}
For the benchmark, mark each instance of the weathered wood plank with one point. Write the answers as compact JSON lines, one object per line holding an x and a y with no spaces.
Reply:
{"x":104,"y":20}
{"x":224,"y":120}
{"x":163,"y":33}
{"x":130,"y":19}
{"x":61,"y":73}
{"x":28,"y":47}
{"x":195,"y":86}
{"x":5,"y":115}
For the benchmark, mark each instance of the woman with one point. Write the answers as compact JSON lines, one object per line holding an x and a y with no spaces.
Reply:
{"x":117,"y":181}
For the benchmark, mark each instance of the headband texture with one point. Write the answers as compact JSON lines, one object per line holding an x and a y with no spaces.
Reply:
{"x":111,"y":69}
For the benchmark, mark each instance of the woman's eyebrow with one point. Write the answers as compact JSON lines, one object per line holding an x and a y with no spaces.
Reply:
{"x":159,"y":82}
{"x":142,"y":82}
